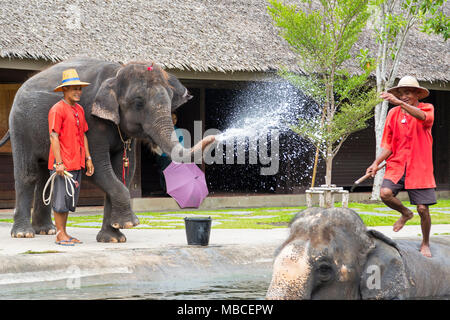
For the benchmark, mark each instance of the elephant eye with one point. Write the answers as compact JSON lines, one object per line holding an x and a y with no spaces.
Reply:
{"x":325,"y":272}
{"x":138,"y":102}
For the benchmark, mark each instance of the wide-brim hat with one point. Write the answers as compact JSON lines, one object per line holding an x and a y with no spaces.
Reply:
{"x":70,"y":78}
{"x":410,"y":82}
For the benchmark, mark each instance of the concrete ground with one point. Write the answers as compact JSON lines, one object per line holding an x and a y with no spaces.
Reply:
{"x":158,"y":238}
{"x":151,"y":254}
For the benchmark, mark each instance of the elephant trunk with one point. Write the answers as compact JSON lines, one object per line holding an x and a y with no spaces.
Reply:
{"x":292,"y":274}
{"x":163,"y":134}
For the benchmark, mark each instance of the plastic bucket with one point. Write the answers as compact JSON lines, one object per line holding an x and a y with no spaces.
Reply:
{"x":198,"y":230}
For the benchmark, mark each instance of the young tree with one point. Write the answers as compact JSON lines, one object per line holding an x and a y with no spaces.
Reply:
{"x":393,"y":24}
{"x":323,"y":38}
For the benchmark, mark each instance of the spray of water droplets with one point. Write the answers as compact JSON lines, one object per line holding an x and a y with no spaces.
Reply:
{"x":262,"y":107}
{"x":259,"y":109}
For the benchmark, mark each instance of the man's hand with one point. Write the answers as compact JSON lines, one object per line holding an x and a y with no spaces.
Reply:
{"x":391,"y":98}
{"x":207,"y":141}
{"x":372,"y":170}
{"x":60,"y":169}
{"x":89,"y":167}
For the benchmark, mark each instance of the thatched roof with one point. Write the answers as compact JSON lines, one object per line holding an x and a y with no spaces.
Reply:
{"x":197,"y":35}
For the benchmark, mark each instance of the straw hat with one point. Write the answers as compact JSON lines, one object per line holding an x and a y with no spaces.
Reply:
{"x":410,"y":82}
{"x":70,"y":78}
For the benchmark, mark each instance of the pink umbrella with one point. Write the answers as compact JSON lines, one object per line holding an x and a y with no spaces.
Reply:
{"x":186,"y":183}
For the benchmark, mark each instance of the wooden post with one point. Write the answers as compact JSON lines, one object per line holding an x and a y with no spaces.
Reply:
{"x":308,"y":199}
{"x":321,"y":200}
{"x":345,"y":196}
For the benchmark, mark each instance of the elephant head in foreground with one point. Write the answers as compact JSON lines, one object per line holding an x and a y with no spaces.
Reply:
{"x":123,"y":104}
{"x":330,"y":254}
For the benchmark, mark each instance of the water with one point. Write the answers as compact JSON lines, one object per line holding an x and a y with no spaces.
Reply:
{"x":233,"y":286}
{"x":263,"y":107}
{"x":255,"y":116}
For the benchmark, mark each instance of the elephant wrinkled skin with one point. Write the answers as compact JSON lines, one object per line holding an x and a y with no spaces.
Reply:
{"x":134,"y":98}
{"x":330,"y":254}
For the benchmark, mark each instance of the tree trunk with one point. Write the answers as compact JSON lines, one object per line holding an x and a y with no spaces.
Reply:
{"x":316,"y":158}
{"x":329,"y":168}
{"x":329,"y":163}
{"x":380,"y":118}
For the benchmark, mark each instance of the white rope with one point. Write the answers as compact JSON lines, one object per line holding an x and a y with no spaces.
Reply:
{"x":69,"y":181}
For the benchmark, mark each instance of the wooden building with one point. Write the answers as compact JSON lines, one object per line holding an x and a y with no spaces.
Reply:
{"x":217,"y":49}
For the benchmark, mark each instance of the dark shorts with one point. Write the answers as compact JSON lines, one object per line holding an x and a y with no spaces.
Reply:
{"x":61,"y":201}
{"x":416,"y":196}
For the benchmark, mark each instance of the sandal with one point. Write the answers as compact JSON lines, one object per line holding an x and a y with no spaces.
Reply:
{"x":75,"y":240}
{"x":67,"y":243}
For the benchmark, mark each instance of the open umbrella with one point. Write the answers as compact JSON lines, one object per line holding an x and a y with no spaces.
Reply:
{"x":186,"y":183}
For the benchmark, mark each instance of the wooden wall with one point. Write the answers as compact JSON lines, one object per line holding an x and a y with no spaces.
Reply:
{"x":441,"y":138}
{"x":350,"y":163}
{"x":7,"y":93}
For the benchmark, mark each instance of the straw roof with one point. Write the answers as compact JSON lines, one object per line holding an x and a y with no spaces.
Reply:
{"x":196,"y":35}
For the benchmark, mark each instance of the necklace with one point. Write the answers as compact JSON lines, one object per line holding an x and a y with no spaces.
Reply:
{"x":125,"y":159}
{"x":75,"y":113}
{"x":404,"y":118}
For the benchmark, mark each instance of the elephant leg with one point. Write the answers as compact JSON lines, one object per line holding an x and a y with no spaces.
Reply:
{"x":41,"y":218}
{"x":24,"y":184}
{"x":107,"y":232}
{"x":121,"y":215}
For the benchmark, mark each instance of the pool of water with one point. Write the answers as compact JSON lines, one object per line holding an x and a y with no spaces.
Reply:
{"x":231,"y":287}
{"x":208,"y":287}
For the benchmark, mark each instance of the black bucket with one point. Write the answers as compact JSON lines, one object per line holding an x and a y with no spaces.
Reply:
{"x":197,"y":230}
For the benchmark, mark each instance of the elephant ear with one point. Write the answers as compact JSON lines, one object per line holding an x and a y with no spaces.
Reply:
{"x":384,"y":275}
{"x":105,"y":103}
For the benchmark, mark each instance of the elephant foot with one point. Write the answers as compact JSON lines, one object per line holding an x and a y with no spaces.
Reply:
{"x":125,"y":222}
{"x":22,"y":231}
{"x":46,"y":229}
{"x":111,"y":235}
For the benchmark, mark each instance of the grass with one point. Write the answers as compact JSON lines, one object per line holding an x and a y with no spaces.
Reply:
{"x":41,"y":252}
{"x":371,"y":221}
{"x":260,"y":218}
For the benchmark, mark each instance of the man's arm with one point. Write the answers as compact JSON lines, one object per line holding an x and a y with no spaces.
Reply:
{"x":414,"y":111}
{"x":385,"y":153}
{"x":89,"y":164}
{"x":56,"y":149}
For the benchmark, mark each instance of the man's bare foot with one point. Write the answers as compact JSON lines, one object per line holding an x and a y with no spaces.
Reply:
{"x":401,"y":222}
{"x":62,"y":236}
{"x":425,"y":250}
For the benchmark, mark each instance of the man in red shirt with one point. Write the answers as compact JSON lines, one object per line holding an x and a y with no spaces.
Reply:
{"x":69,"y":150}
{"x":407,"y":146}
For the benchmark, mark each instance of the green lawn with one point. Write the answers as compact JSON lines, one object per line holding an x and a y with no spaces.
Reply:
{"x":436,"y":216}
{"x":261,"y":218}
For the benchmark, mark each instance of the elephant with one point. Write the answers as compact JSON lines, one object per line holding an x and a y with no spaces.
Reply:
{"x":123,"y":104}
{"x":331,"y":255}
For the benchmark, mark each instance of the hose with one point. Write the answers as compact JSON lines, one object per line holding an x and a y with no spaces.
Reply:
{"x":69,"y":181}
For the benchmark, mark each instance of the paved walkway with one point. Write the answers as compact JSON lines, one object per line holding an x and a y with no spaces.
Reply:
{"x":156,"y":257}
{"x":157,"y":238}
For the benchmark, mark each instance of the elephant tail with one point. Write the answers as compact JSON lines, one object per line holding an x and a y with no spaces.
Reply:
{"x":5,"y":138}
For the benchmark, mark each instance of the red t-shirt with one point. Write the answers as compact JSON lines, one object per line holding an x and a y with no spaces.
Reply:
{"x":70,"y":124}
{"x":411,"y":143}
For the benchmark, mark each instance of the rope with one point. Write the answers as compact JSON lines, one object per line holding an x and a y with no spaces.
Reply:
{"x":69,"y":181}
